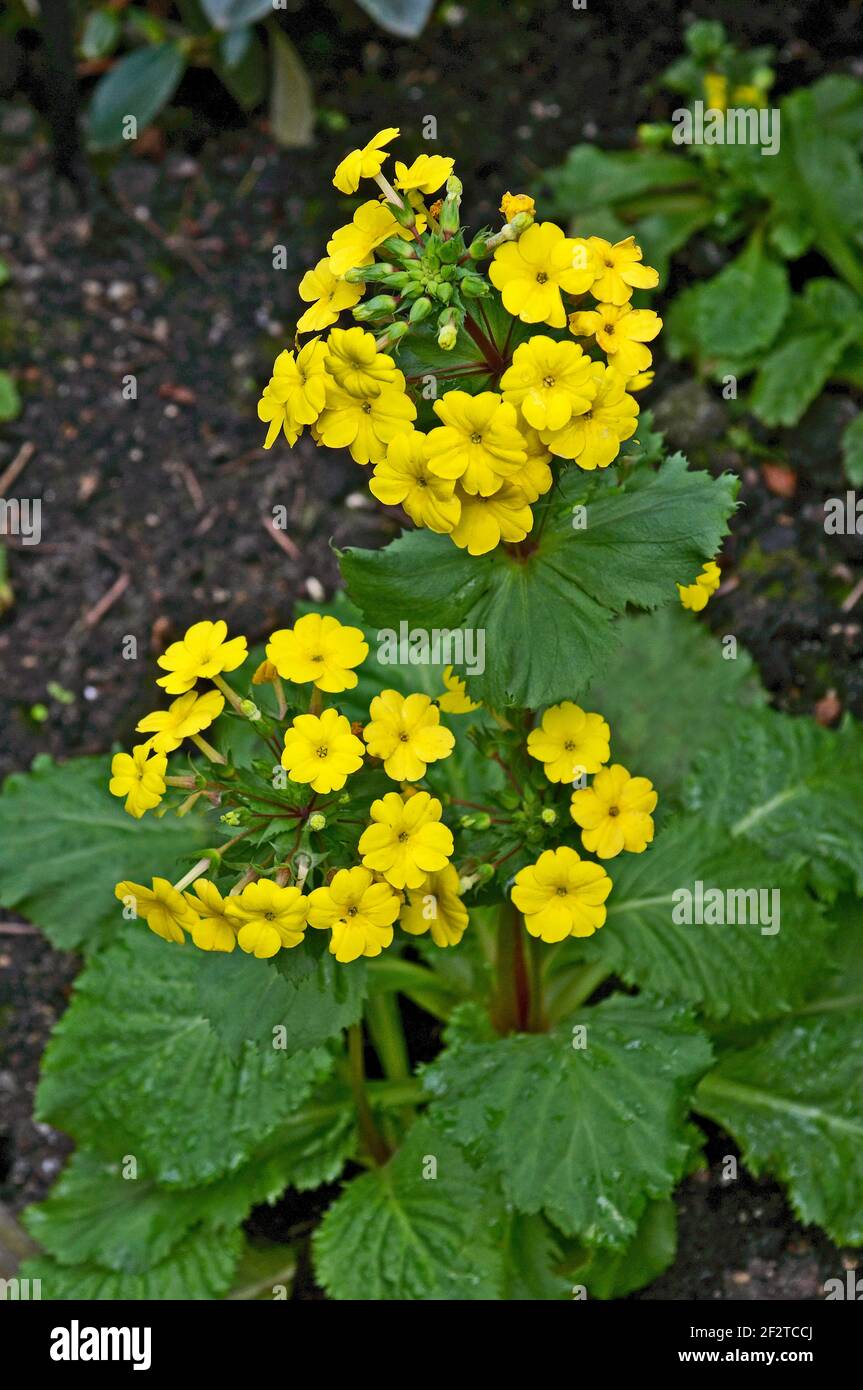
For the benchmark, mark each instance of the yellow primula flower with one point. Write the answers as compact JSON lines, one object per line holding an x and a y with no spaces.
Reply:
{"x":478,"y":443}
{"x":621,"y":332}
{"x":561,"y":895}
{"x":165,"y":911}
{"x":265,"y":674}
{"x":618,"y":270}
{"x":365,"y":425}
{"x":138,"y":777}
{"x":216,"y":928}
{"x":355,"y":364}
{"x":406,"y":732}
{"x":404,"y":479}
{"x":456,"y":699}
{"x":594,"y":438}
{"x":407,"y":840}
{"x":436,"y":906}
{"x":203,"y":652}
{"x":426,"y":175}
{"x":268,"y":917}
{"x":188,"y":715}
{"x":640,"y":381}
{"x":322,"y":751}
{"x":695,"y":596}
{"x":549,"y":382}
{"x":328,"y":296}
{"x":535,"y":477}
{"x":513,"y":203}
{"x":715,"y":91}
{"x":321,"y":649}
{"x":569,"y":742}
{"x":614,"y":813}
{"x":358,"y":911}
{"x":531,"y":272}
{"x":296,"y":392}
{"x":486,"y":521}
{"x":353,"y":245}
{"x":364,"y":163}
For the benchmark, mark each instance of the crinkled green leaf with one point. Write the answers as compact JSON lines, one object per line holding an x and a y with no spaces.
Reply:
{"x":201,"y":1267}
{"x":742,"y":308}
{"x":585,"y":1134}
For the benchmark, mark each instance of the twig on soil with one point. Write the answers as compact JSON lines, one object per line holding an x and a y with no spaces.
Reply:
{"x":850,"y":599}
{"x":18,"y":464}
{"x":171,"y":243}
{"x":280,"y":538}
{"x":95,"y":614}
{"x":17,"y":929}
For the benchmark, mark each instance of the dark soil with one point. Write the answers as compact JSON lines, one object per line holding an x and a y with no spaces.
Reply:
{"x":154,"y":510}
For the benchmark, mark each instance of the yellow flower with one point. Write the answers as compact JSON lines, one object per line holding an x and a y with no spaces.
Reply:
{"x":407,"y":840}
{"x":358,"y":911}
{"x":353,"y":245}
{"x":265,"y":674}
{"x":513,"y":203}
{"x":436,"y":906}
{"x":695,"y":596}
{"x":364,"y":163}
{"x":534,"y":478}
{"x":407,"y":733}
{"x":138,"y":777}
{"x":715,"y":91}
{"x":355,"y":364}
{"x":365,"y":424}
{"x":328,"y":296}
{"x":268,"y":917}
{"x":456,"y":700}
{"x":486,"y":521}
{"x":621,"y":331}
{"x":216,"y":928}
{"x":321,"y":649}
{"x":187,"y":715}
{"x":614,"y":813}
{"x":165,"y":911}
{"x":531,"y":272}
{"x":561,"y":895}
{"x":204,"y":651}
{"x":569,"y":742}
{"x":478,"y":442}
{"x":594,"y":438}
{"x":425,"y":175}
{"x":549,"y":382}
{"x":404,"y":478}
{"x":296,"y":392}
{"x":321,"y":750}
{"x":618,"y":270}
{"x":639,"y":382}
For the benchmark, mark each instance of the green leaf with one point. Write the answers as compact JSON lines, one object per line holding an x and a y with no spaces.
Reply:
{"x":795,"y":373}
{"x":235,"y":14}
{"x":742,"y":308}
{"x":616,"y":1273}
{"x":10,"y":400}
{"x":730,"y":970}
{"x":532,"y":1259}
{"x":201,"y":1267}
{"x":138,"y":85}
{"x":791,"y":788}
{"x":585,"y":1134}
{"x":101,"y":34}
{"x":406,"y":18}
{"x":262,"y":1270}
{"x":65,"y":842}
{"x":163,"y":1087}
{"x":242,"y":66}
{"x":292,"y":104}
{"x":411,"y":1231}
{"x":632,"y":693}
{"x":852,"y":451}
{"x":794,"y":1103}
{"x":594,"y":178}
{"x":640,"y":539}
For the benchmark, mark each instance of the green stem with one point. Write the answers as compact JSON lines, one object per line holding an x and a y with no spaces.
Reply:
{"x":511,"y":1008}
{"x":371,"y":1139}
{"x":537,"y":953}
{"x":385,"y":1026}
{"x":578,"y":988}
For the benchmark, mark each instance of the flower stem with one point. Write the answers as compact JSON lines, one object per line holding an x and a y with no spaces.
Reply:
{"x":511,"y":1007}
{"x":385,"y":1025}
{"x":371,"y":1139}
{"x":208,"y":750}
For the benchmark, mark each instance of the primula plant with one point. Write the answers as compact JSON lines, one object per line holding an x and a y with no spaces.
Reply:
{"x":474,"y":938}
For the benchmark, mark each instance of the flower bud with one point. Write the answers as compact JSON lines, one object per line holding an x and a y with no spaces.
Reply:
{"x":514,"y":203}
{"x":448,"y":326}
{"x":521,"y":222}
{"x":473,"y":287}
{"x":549,"y":816}
{"x":265,"y":673}
{"x":485,"y":872}
{"x":375,"y":308}
{"x":449,"y":213}
{"x":317,"y":821}
{"x":250,"y":710}
{"x":482,"y":821}
{"x":391,"y":335}
{"x":421,"y":309}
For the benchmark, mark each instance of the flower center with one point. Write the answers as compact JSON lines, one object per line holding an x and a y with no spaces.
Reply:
{"x":609,"y":328}
{"x":270,"y":916}
{"x":367,"y":410}
{"x":548,"y":382}
{"x":351,"y":912}
{"x":403,"y":738}
{"x":614,"y":811}
{"x":317,"y":657}
{"x":569,"y":745}
{"x":476,"y":438}
{"x":403,"y":837}
{"x":322,"y":752}
{"x":561,"y":892}
{"x":541,"y":278}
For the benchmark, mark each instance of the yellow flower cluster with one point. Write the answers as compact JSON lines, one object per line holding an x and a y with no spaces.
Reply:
{"x":405,"y":871}
{"x":695,"y":596}
{"x":476,"y":475}
{"x":562,"y":894}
